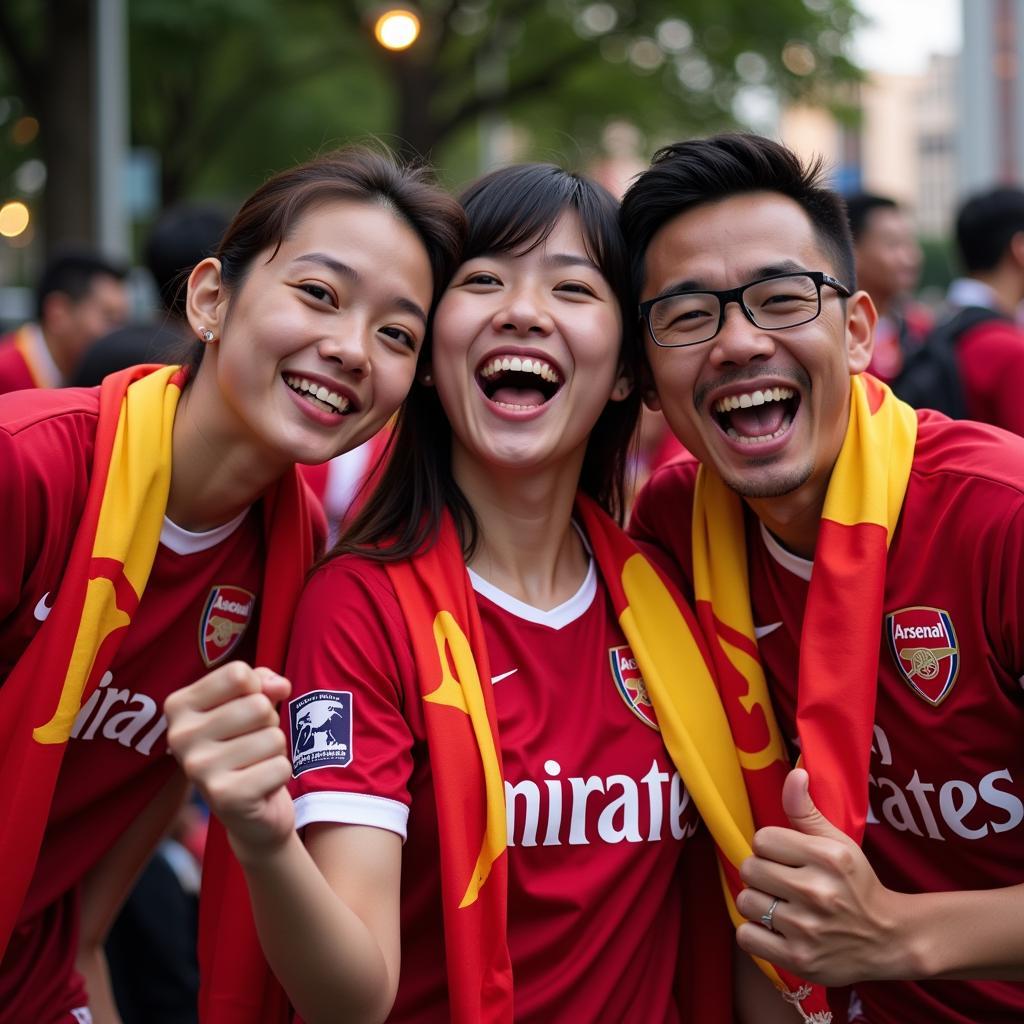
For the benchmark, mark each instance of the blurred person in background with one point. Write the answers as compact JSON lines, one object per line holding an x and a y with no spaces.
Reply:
{"x":888,"y":260}
{"x":80,"y":297}
{"x":982,"y":328}
{"x":181,"y":237}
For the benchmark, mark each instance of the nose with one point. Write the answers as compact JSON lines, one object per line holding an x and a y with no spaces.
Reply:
{"x":739,"y":341}
{"x":348,"y":344}
{"x":524,"y":314}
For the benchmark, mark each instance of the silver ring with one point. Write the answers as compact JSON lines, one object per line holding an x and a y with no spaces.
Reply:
{"x":769,"y":914}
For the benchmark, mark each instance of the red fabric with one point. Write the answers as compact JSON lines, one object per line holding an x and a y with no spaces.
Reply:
{"x":15,"y":374}
{"x":30,"y":768}
{"x":235,"y":983}
{"x":476,"y":941}
{"x":991,"y":361}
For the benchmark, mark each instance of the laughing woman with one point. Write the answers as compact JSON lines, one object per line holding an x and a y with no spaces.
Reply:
{"x":155,"y":526}
{"x":479,"y":779}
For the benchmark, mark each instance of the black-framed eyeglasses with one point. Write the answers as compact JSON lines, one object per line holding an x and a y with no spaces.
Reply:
{"x":771,"y":303}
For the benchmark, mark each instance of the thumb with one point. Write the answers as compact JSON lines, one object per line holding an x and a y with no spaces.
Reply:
{"x":274,"y":686}
{"x":800,"y":809}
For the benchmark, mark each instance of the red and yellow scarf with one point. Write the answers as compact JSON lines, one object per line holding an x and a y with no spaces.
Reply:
{"x":836,"y":697}
{"x":111,"y":558}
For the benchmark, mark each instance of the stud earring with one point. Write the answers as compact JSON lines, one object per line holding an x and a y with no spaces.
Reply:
{"x":428,"y":379}
{"x":206,"y":335}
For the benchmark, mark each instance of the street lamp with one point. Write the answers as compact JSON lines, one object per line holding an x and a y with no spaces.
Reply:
{"x":397,"y":29}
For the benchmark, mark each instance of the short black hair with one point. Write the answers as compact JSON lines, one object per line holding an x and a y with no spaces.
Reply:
{"x":183,"y":236}
{"x":859,"y":208}
{"x":985,"y":224}
{"x":71,"y":272}
{"x":689,"y":174}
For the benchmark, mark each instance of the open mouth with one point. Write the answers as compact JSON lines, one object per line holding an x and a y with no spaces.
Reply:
{"x":757,"y":417}
{"x":518,"y":382}
{"x":318,"y":395}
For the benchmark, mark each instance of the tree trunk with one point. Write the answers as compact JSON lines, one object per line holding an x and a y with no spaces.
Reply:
{"x":66,"y":136}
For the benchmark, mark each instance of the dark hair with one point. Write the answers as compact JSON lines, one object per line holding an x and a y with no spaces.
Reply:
{"x":509,"y":211}
{"x":859,"y":208}
{"x":688,"y":174}
{"x":355,"y":173}
{"x":181,"y":237}
{"x":985,"y":225}
{"x":72,"y":272}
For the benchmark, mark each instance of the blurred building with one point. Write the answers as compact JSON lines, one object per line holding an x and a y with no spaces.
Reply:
{"x":904,"y":144}
{"x":991,"y":146}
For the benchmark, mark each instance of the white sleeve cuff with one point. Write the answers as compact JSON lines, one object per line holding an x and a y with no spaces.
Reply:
{"x":352,"y":809}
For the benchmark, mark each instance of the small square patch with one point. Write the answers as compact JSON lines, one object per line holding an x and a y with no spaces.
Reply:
{"x":321,"y":730}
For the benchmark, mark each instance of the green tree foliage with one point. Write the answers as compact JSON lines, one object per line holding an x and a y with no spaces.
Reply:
{"x":227,"y":90}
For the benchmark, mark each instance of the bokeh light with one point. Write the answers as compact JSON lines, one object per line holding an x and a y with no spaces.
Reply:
{"x":397,"y":29}
{"x":14,"y":218}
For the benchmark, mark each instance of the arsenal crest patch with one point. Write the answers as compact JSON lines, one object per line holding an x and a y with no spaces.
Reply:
{"x":225,"y":615}
{"x":630,"y":684}
{"x":320,"y":723}
{"x":924,"y":646}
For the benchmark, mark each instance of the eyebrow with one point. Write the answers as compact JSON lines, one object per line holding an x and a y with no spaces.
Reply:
{"x":568,"y":259}
{"x":768,"y":270}
{"x":352,"y":275}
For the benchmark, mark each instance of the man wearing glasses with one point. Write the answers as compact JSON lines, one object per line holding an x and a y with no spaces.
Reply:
{"x":857,"y":569}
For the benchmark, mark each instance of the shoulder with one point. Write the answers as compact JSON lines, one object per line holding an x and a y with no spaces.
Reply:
{"x":350,"y":593}
{"x":963,"y":453}
{"x":48,"y":436}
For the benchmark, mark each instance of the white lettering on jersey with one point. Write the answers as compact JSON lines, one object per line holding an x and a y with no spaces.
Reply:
{"x":222,"y":604}
{"x":620,"y":797}
{"x":42,"y":609}
{"x":120,"y":715}
{"x":912,"y":806}
{"x":918,"y":632}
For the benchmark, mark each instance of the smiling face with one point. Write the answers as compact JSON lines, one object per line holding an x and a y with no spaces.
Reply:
{"x":767,"y":409}
{"x":526,"y":354}
{"x":317,"y":347}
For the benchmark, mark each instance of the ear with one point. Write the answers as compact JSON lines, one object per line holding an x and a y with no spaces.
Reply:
{"x":861,"y":317}
{"x":207,"y":297}
{"x":649,"y":392}
{"x":622,"y":388}
{"x":56,"y":312}
{"x":1016,"y":248}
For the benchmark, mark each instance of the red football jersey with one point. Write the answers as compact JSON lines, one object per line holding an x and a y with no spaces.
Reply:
{"x":946,"y":790}
{"x":15,"y":373}
{"x":196,"y":612}
{"x":596,"y":813}
{"x":990,"y":358}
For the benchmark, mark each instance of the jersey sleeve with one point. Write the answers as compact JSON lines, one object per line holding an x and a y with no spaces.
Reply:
{"x":991,"y":361}
{"x":17,"y":555}
{"x":350,"y":664}
{"x":1004,"y":602}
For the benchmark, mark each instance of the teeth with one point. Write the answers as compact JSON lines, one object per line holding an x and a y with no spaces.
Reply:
{"x":747,"y":399}
{"x":337,"y":403}
{"x":761,"y":438}
{"x":501,"y":364}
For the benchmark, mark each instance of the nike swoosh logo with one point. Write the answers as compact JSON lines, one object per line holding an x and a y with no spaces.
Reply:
{"x":42,"y":609}
{"x":763,"y":631}
{"x":504,"y":675}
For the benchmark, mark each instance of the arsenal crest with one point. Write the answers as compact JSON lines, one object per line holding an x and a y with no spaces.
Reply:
{"x":225,"y":615}
{"x":924,"y":647}
{"x":630,"y":684}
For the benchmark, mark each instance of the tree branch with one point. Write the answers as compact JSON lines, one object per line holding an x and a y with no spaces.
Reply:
{"x":543,"y":77}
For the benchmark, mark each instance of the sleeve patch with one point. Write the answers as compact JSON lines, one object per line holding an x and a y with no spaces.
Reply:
{"x":320,"y":723}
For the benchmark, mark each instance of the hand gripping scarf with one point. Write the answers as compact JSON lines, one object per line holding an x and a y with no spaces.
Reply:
{"x":836,"y":696}
{"x":111,"y":558}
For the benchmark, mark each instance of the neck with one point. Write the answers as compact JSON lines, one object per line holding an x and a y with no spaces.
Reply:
{"x":215,"y":474}
{"x":1005,"y":282}
{"x":60,"y":358}
{"x":527,"y":545}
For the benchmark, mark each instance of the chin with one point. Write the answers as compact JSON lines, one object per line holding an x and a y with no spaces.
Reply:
{"x":768,"y":485}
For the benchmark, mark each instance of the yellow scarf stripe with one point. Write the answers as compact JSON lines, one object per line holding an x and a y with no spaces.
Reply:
{"x":128,"y":531}
{"x":689,"y":708}
{"x":865,"y":488}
